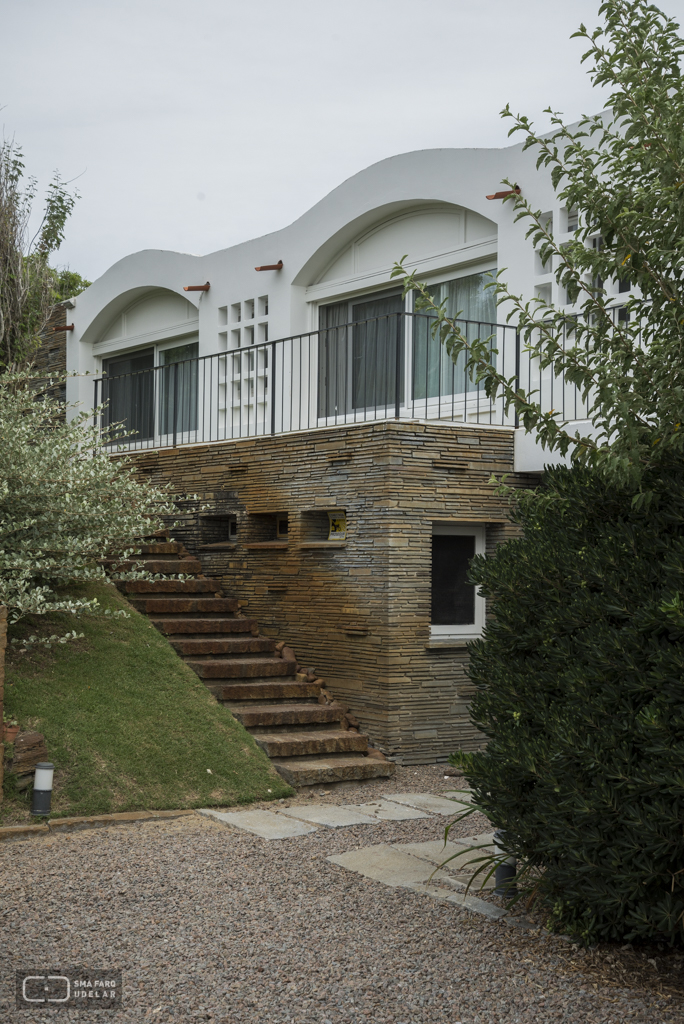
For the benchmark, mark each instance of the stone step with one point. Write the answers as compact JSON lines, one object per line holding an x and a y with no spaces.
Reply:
{"x":183,"y":605}
{"x":325,"y":741}
{"x":199,"y":628}
{"x":231,"y":645}
{"x":319,"y":771}
{"x":263,"y":689}
{"x":168,"y":586}
{"x":287,"y":714}
{"x":171,"y":566}
{"x":241,"y":668}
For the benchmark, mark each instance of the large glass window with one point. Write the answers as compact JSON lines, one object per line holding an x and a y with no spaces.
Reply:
{"x":434,"y":372}
{"x":128,"y":391}
{"x":361,"y":354}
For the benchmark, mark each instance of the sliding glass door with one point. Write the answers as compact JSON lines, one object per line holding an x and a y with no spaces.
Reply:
{"x":128,"y":392}
{"x":434,"y":373}
{"x":360,"y":354}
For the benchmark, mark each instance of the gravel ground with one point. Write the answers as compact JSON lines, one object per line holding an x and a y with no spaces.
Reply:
{"x":208,"y":923}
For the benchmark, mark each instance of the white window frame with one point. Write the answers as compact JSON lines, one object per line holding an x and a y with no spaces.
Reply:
{"x":469,"y":631}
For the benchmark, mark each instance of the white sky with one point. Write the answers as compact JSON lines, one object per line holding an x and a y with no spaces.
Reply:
{"x":196,"y":125}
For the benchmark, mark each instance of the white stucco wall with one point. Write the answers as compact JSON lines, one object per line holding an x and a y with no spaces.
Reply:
{"x":430,"y":204}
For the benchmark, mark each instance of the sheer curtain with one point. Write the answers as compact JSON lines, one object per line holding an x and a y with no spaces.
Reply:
{"x":434,"y":373}
{"x":377,"y":345}
{"x":333,"y":359}
{"x":178,"y":399}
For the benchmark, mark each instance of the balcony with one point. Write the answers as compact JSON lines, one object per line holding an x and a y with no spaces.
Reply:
{"x":385,"y":367}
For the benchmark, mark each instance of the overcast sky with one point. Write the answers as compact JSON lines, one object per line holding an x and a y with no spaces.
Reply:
{"x":196,"y":125}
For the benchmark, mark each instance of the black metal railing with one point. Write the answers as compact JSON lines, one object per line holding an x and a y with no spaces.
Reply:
{"x":386,"y":367}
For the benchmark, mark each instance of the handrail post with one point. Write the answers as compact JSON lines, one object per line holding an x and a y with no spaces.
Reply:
{"x":397,"y":373}
{"x":175,"y":401}
{"x":517,"y":373}
{"x":95,"y":384}
{"x":272,"y":388}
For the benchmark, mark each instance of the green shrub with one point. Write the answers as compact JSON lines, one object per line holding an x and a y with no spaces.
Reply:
{"x":580,"y":678}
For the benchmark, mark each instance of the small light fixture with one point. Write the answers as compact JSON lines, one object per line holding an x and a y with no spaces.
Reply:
{"x":42,"y":789}
{"x":504,"y":875}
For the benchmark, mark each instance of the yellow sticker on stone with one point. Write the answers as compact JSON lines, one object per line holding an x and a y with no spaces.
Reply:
{"x":338,"y":526}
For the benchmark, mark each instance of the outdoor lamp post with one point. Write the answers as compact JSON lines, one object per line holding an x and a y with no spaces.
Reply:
{"x":42,"y":788}
{"x":505,"y":872}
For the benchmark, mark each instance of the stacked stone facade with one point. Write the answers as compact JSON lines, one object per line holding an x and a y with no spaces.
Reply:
{"x":357,"y":611}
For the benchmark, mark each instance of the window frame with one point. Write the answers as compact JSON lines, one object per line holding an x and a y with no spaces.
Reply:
{"x":468,"y":631}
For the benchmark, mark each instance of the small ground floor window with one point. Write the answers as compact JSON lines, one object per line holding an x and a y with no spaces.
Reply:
{"x":457,"y":608}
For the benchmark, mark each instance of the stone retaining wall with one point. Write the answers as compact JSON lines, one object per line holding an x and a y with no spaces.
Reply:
{"x":360,"y":613}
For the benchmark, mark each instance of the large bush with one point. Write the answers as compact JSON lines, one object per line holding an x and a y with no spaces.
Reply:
{"x":64,"y":503}
{"x":580,"y":677}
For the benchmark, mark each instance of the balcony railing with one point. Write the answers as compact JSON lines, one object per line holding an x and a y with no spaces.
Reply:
{"x":387,"y":367}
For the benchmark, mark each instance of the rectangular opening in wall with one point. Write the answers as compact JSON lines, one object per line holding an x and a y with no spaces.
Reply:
{"x":321,"y":526}
{"x":236,"y":313}
{"x":571,"y":218}
{"x":249,"y":335}
{"x":282,"y":526}
{"x":263,"y":305}
{"x":217,"y":530}
{"x":263,"y":332}
{"x":457,"y":609}
{"x":248,"y":309}
{"x":222,"y":316}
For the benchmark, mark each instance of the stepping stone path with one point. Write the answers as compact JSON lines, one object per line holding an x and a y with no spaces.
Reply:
{"x":434,"y":868}
{"x":307,"y":738}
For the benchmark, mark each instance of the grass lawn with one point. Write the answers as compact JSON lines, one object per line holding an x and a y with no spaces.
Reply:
{"x":127,"y":724}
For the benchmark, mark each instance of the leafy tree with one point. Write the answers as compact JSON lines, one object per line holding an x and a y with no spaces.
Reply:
{"x":28,"y":285}
{"x":623,"y":171}
{"x":67,"y":283}
{"x":64,"y":502}
{"x":580,"y":671}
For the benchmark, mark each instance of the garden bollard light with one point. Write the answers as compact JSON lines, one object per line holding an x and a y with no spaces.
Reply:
{"x":42,"y":788}
{"x":505,"y":873}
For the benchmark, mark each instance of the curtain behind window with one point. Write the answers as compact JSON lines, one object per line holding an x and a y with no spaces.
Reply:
{"x":333,"y":359}
{"x":434,"y":372}
{"x":178,"y":398}
{"x":128,"y":390}
{"x":377,"y":345}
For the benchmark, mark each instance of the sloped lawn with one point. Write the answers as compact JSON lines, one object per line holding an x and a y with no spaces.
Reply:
{"x":127,"y":724}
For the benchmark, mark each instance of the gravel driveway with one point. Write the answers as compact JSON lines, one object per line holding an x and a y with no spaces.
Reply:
{"x":208,"y":923}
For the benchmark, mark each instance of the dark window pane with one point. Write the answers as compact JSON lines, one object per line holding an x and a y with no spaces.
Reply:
{"x":179,"y":388}
{"x":453,"y":599}
{"x":374,"y":352}
{"x":128,"y":388}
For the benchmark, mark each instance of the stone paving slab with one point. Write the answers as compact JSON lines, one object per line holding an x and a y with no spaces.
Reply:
{"x":385,"y":810}
{"x":459,"y":796}
{"x":387,"y":864}
{"x":458,"y":899}
{"x":261,"y":823}
{"x":332,"y":815}
{"x":464,"y":860}
{"x":485,"y":839}
{"x":425,"y":802}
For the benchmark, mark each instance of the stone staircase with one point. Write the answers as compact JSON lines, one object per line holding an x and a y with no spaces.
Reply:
{"x":311,"y":738}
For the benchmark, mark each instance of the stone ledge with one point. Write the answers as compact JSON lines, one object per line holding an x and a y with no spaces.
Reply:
{"x":447,"y":645}
{"x":8,"y":831}
{"x":323,"y":544}
{"x":267,"y":545}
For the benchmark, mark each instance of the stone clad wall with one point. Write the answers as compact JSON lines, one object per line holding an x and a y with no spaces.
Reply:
{"x":358,"y":614}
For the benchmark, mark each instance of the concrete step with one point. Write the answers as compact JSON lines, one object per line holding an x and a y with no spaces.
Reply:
{"x":183,"y":605}
{"x":169,"y":586}
{"x":323,"y":741}
{"x":241,"y":668}
{"x":287,"y":714}
{"x":199,"y":628}
{"x":320,"y":771}
{"x":231,"y":645}
{"x":263,"y":689}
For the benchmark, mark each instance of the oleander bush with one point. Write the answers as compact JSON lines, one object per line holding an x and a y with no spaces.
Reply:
{"x":580,"y":677}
